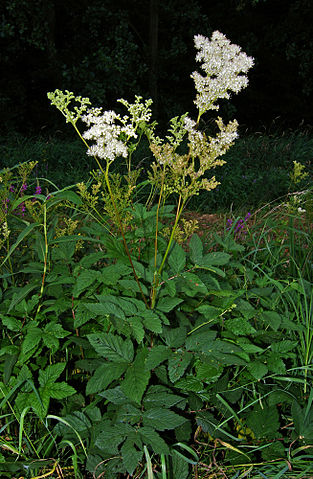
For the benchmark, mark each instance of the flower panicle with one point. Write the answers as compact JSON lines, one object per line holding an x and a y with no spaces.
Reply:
{"x":225,"y":67}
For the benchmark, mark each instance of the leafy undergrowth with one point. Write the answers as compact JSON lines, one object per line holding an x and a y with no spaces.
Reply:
{"x":213,"y":381}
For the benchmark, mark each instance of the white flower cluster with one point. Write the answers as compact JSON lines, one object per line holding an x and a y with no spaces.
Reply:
{"x":223,"y":64}
{"x":111,"y":132}
{"x":106,"y":130}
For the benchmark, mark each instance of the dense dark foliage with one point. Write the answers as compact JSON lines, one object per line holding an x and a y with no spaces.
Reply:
{"x":105,"y":50}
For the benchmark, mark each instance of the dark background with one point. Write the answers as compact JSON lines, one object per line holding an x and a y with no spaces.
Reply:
{"x":108,"y":49}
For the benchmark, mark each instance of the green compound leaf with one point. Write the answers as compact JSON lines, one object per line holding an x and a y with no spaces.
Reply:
{"x":136,"y":378}
{"x":178,"y":364}
{"x":162,"y":419}
{"x":112,"y":347}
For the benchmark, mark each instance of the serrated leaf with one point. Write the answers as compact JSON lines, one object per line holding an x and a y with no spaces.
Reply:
{"x":239,"y":326}
{"x":11,"y":323}
{"x":151,"y":437}
{"x":56,"y":329}
{"x":191,"y":284}
{"x":196,"y":249}
{"x":175,"y":337}
{"x":51,"y":374}
{"x":162,"y":419}
{"x":189,"y":383}
{"x":84,"y":280}
{"x":128,"y":307}
{"x":104,"y":376}
{"x":283,"y":346}
{"x":215,"y":259}
{"x":115,"y":395}
{"x":154,"y":324}
{"x":31,"y":340}
{"x":167,"y":304}
{"x":160,"y":396}
{"x":156,"y":355}
{"x":90,"y":259}
{"x":177,"y":259}
{"x":272,"y":318}
{"x":60,"y":390}
{"x":264,"y":421}
{"x":180,"y":467}
{"x":137,"y":329}
{"x":178,"y":364}
{"x":111,"y":436}
{"x":276,"y":364}
{"x":257,"y":369}
{"x":112,"y":347}
{"x":102,"y":309}
{"x":199,"y":339}
{"x":303,"y":421}
{"x":130,"y":456}
{"x":136,"y":378}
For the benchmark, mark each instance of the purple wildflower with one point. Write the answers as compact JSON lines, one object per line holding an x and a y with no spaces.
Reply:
{"x":38,"y":190}
{"x":24,"y":187}
{"x":11,"y":189}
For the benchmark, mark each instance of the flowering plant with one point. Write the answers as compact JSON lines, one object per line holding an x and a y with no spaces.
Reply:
{"x":225,"y":67}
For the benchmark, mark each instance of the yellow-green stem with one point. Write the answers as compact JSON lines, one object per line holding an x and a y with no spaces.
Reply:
{"x":106,"y":176}
{"x":45,"y":257}
{"x":180,"y":207}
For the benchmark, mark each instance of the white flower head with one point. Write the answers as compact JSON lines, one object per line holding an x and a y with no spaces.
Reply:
{"x":224,"y":65}
{"x":106,"y":132}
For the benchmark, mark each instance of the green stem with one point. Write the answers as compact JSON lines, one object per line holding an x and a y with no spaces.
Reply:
{"x":180,"y":207}
{"x":107,"y":181}
{"x":45,"y":258}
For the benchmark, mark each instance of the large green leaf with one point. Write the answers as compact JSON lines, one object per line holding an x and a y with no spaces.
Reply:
{"x":151,"y":437}
{"x":130,"y":455}
{"x":102,"y":309}
{"x":162,"y":419}
{"x":196,"y":249}
{"x":160,"y":396}
{"x":257,"y":369}
{"x":303,"y":421}
{"x":60,"y":390}
{"x":51,"y":374}
{"x":167,"y":304}
{"x":84,"y":280}
{"x":177,"y":259}
{"x":177,"y":364}
{"x":215,"y":259}
{"x":136,"y":378}
{"x":112,"y":347}
{"x":104,"y":376}
{"x":156,"y":355}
